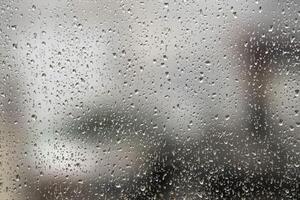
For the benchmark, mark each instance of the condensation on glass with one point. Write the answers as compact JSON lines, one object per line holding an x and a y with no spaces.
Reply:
{"x":149,"y":99}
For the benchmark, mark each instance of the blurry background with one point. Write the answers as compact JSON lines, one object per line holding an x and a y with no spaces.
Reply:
{"x":149,"y":100}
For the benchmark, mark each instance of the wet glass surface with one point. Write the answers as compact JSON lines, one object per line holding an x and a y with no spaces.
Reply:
{"x":149,"y":99}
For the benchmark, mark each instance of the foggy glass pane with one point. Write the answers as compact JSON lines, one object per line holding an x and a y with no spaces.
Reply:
{"x":149,"y":99}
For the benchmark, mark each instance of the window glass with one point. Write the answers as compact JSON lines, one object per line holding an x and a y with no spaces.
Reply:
{"x":149,"y":99}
